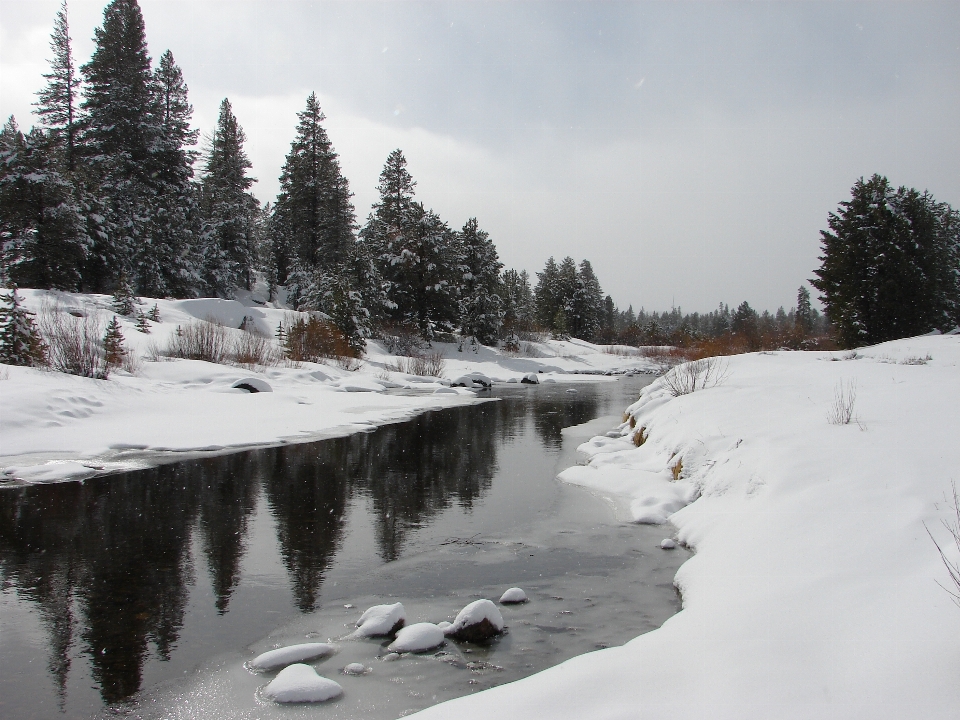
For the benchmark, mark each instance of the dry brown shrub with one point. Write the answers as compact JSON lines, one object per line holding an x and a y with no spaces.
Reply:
{"x":640,"y":437}
{"x":74,"y":344}
{"x":314,"y":340}
{"x":676,"y":469}
{"x":199,"y":340}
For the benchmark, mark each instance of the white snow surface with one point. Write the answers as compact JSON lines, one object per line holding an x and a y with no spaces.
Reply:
{"x":300,"y":683}
{"x":280,"y":657}
{"x":813,"y":591}
{"x":55,"y":426}
{"x":474,"y":613}
{"x":380,"y":620}
{"x":418,"y":637}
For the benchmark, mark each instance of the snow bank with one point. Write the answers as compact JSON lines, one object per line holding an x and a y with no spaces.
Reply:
{"x":813,"y":591}
{"x":301,"y":684}
{"x":57,"y":427}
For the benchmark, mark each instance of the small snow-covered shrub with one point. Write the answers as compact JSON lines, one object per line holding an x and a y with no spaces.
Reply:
{"x":953,"y":567}
{"x":426,"y":365}
{"x":74,"y":344}
{"x":844,"y":398}
{"x":199,"y":340}
{"x":400,"y":339}
{"x":696,"y":375}
{"x":914,"y":360}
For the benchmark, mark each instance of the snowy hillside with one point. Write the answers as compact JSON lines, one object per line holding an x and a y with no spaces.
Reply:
{"x":814,"y":589}
{"x":56,"y":426}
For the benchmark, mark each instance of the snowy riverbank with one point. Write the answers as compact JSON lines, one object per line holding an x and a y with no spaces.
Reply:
{"x":55,"y":426}
{"x":813,"y":592}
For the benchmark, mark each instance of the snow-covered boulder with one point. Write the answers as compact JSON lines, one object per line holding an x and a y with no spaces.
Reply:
{"x":281,"y":657}
{"x":444,"y":391}
{"x":668,"y":544}
{"x":356,"y":669}
{"x":381,"y":620}
{"x":513,"y":596}
{"x":572,"y":391}
{"x":252,"y":385}
{"x":418,"y":637}
{"x":443,"y":625}
{"x":300,"y":683}
{"x":478,"y":621}
{"x":474,"y":379}
{"x":530,"y":379}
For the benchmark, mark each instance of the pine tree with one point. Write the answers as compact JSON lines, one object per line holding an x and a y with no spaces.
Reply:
{"x":548,"y":294}
{"x":803,"y":318}
{"x":314,"y":213}
{"x":121,"y":135}
{"x":142,"y":324}
{"x":154,"y":313}
{"x":481,"y":304}
{"x":585,"y":305}
{"x":164,"y":264}
{"x":20,"y":341}
{"x":56,"y":103}
{"x":124,"y":301}
{"x":41,"y":228}
{"x":229,"y":209}
{"x":889,"y":267}
{"x":519,"y":310}
{"x":113,"y":350}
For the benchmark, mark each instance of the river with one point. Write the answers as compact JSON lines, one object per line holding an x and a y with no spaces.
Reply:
{"x":143,"y":593}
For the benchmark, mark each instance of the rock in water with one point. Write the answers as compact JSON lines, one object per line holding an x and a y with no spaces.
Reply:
{"x":530,"y":379}
{"x":443,"y":625}
{"x":478,"y":621}
{"x":281,"y":657}
{"x":418,"y":637}
{"x":300,"y":683}
{"x":381,"y":620}
{"x":667,"y":544}
{"x":512,"y":596}
{"x":356,"y":669}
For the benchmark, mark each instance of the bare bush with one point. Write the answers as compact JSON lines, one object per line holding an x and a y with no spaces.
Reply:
{"x":74,"y":344}
{"x":315,"y":340}
{"x":696,"y":375}
{"x":402,"y":340}
{"x":953,"y":567}
{"x":844,"y":398}
{"x":253,"y":349}
{"x":916,"y":360}
{"x":426,"y":365}
{"x":199,"y":340}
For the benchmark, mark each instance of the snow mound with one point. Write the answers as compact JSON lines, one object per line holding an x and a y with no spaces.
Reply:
{"x":530,"y":379}
{"x":444,"y":625}
{"x":381,"y":620}
{"x":300,"y":683}
{"x":356,"y":669}
{"x":445,"y":391}
{"x":471,"y":380}
{"x":252,"y":385}
{"x":291,"y":654}
{"x":667,"y":544}
{"x":512,"y":596}
{"x":418,"y":637}
{"x":571,"y":391}
{"x":478,"y":621}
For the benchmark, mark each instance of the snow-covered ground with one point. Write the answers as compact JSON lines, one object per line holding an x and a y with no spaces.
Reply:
{"x":814,"y":589}
{"x":55,"y":426}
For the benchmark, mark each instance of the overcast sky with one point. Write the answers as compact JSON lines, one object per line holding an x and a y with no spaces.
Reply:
{"x":690,"y":151}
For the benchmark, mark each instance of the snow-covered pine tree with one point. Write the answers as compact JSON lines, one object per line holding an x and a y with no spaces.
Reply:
{"x":154,"y":313}
{"x":57,"y":102}
{"x":548,"y":294}
{"x":229,"y":209}
{"x":121,"y":133}
{"x":41,"y":228}
{"x":585,"y":304}
{"x":803,"y":318}
{"x":20,"y":341}
{"x":164,"y":265}
{"x":313,"y":215}
{"x":113,"y":350}
{"x":481,"y":304}
{"x":124,"y":301}
{"x":142,"y":324}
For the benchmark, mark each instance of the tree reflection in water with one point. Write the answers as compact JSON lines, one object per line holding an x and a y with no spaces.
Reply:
{"x":108,"y":565}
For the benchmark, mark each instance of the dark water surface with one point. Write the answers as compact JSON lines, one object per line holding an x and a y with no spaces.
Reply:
{"x":143,"y":593}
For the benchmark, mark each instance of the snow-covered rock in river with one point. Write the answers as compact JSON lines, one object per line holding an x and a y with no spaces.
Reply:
{"x":252,"y":385}
{"x":381,"y":620}
{"x":471,"y":380}
{"x":478,"y":621}
{"x":418,"y":637}
{"x":667,"y":544}
{"x":272,"y":659}
{"x":356,"y":669}
{"x":513,"y":596}
{"x":300,"y":683}
{"x":530,"y":379}
{"x":444,"y":625}
{"x":572,"y":391}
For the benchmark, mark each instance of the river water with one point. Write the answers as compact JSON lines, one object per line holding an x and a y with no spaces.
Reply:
{"x":143,"y":593}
